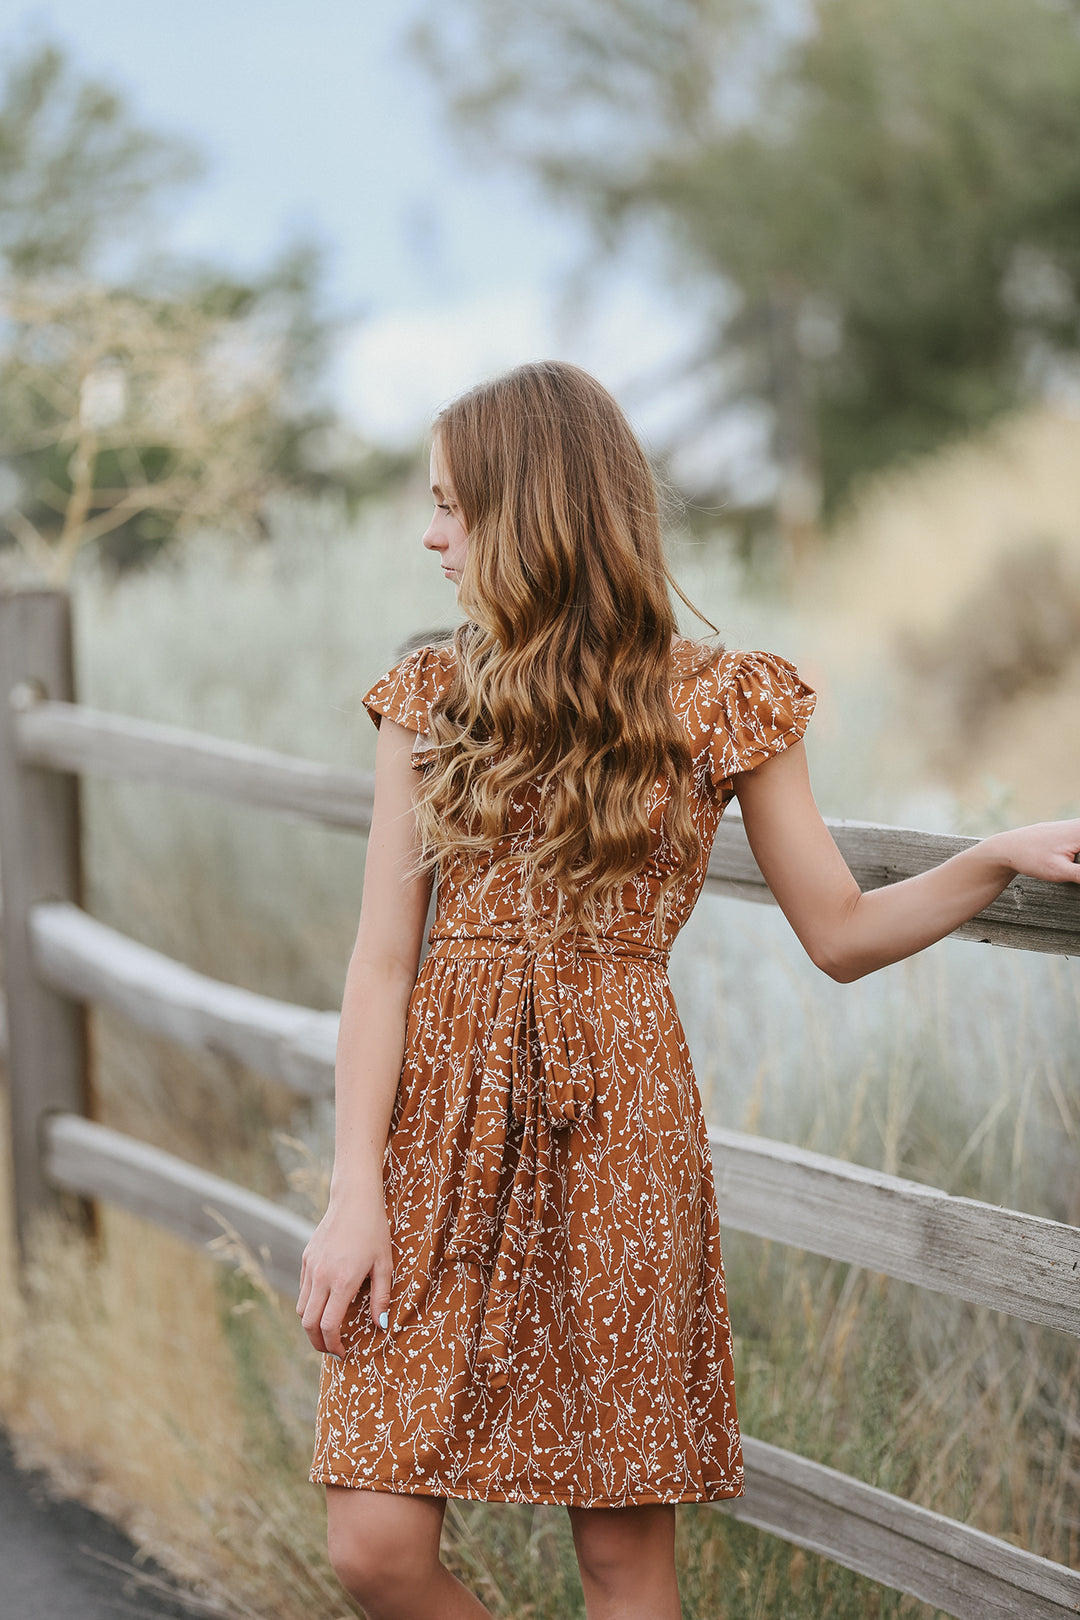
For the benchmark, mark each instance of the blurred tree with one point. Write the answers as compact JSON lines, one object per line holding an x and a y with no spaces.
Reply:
{"x":132,"y":412}
{"x":890,"y":191}
{"x":76,"y":171}
{"x":129,"y":417}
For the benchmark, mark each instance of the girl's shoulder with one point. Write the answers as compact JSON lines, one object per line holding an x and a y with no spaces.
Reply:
{"x":729,"y":668}
{"x":408,"y":690}
{"x":744,"y":706}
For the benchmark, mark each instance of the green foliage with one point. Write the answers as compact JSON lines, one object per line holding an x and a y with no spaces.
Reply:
{"x":134,"y":410}
{"x":131,"y":416}
{"x":890,"y":191}
{"x":74,"y":166}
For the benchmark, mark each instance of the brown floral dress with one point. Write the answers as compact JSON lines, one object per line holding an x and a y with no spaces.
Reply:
{"x":558,"y":1319}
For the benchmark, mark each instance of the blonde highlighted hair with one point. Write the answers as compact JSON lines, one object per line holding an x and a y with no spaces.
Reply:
{"x":563,"y":668}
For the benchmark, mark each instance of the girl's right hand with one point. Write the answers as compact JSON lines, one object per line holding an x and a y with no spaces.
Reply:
{"x":350,"y":1243}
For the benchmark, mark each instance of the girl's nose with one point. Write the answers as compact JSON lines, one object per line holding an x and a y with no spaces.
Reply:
{"x":432,"y":539}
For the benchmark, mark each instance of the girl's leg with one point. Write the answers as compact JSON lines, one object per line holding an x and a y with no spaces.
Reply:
{"x":385,"y":1552}
{"x":627,"y":1561}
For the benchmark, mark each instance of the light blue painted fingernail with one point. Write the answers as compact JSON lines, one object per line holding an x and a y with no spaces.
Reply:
{"x":384,"y":1320}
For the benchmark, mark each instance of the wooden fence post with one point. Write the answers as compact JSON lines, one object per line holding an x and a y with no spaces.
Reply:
{"x":39,"y":860}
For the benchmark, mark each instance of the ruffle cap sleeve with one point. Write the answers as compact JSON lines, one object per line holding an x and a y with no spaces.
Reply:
{"x":764,"y":706}
{"x":406,"y":693}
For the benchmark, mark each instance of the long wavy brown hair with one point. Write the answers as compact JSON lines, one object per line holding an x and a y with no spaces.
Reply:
{"x":563,"y":667}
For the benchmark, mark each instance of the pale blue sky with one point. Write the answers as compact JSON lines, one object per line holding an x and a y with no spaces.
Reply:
{"x":314,"y":120}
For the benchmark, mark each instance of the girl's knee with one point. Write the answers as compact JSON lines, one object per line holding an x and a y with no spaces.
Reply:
{"x":617,"y":1547}
{"x":365,"y":1567}
{"x":379,"y":1546}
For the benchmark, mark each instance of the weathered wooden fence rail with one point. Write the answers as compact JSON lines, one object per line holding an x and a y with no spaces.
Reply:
{"x":58,"y":959}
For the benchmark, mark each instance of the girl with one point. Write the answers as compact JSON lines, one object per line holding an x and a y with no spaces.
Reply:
{"x":517,"y":1283}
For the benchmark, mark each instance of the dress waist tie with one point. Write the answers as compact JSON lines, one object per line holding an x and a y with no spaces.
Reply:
{"x":539,"y":1074}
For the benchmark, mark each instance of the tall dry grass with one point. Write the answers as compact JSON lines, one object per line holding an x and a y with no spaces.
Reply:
{"x":915,"y":562}
{"x":169,"y":1395}
{"x":179,"y":1396}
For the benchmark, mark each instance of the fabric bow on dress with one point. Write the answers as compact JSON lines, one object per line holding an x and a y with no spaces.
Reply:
{"x":539,"y":1079}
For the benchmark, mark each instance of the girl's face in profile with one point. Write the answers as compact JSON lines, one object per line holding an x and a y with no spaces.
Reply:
{"x":446,"y":531}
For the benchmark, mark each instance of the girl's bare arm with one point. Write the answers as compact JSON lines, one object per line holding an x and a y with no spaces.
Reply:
{"x":352,"y":1241}
{"x":849,"y":934}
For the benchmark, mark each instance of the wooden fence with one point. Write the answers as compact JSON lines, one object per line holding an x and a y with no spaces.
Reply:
{"x":57,"y":959}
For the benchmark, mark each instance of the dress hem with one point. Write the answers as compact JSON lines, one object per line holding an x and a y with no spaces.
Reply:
{"x":715,"y":1494}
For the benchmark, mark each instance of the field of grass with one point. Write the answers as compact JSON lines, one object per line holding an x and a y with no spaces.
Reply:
{"x":177,"y":1395}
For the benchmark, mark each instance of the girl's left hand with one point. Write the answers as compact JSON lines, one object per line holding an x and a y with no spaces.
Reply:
{"x":1047,"y":850}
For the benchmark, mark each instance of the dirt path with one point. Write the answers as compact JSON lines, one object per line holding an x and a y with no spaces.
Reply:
{"x":60,"y":1561}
